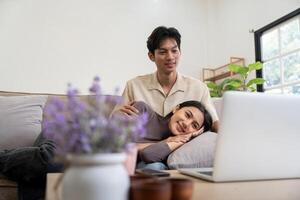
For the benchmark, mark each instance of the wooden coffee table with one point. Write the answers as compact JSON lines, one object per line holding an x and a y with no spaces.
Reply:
{"x":288,"y":189}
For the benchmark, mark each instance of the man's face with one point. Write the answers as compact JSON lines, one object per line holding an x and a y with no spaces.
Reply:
{"x":167,"y":56}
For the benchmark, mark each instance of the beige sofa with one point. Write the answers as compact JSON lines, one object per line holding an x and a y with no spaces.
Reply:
{"x":8,"y":189}
{"x":33,"y":103}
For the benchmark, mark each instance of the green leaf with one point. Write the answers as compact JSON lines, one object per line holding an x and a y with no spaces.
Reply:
{"x":214,"y":89}
{"x":234,"y":68}
{"x":238,"y":69}
{"x":230,"y":84}
{"x":230,"y":87}
{"x":243,"y":71}
{"x":224,"y":82}
{"x":257,"y":81}
{"x":236,"y":80}
{"x":235,"y":84}
{"x":252,"y":89}
{"x":255,"y":66}
{"x":214,"y":94}
{"x":212,"y":85}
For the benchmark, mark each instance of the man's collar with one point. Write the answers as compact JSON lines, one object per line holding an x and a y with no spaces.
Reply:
{"x":179,"y":84}
{"x":154,"y":83}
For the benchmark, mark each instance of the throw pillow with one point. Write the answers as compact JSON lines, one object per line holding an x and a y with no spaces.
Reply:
{"x":199,"y":152}
{"x":20,"y":120}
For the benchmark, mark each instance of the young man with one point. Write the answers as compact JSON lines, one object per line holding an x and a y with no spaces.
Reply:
{"x":166,"y":88}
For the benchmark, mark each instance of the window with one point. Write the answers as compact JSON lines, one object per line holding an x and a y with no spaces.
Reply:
{"x":277,"y":46}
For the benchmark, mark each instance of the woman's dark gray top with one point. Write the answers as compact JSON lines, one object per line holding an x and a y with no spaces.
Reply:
{"x":157,"y":131}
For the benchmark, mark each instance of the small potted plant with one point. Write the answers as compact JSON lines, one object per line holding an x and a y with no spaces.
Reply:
{"x":240,"y":83}
{"x":91,"y":143}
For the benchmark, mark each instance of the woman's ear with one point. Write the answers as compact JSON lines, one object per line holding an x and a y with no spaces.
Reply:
{"x":175,"y":109}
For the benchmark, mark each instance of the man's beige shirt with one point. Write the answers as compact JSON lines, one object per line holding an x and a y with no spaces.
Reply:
{"x":146,"y":88}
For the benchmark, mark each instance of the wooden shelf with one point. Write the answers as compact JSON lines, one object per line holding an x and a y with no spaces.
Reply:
{"x":218,"y":77}
{"x":219,"y":73}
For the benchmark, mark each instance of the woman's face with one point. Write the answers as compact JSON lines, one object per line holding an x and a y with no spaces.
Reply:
{"x":186,"y":120}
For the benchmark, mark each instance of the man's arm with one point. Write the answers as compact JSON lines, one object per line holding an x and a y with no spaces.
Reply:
{"x":127,"y":105}
{"x":129,"y":109}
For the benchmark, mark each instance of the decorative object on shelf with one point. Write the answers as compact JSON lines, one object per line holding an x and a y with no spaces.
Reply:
{"x":91,"y":143}
{"x":240,"y":83}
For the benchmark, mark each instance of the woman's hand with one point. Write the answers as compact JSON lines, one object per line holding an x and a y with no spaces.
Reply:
{"x":175,"y":142}
{"x":199,"y":132}
{"x":179,"y":138}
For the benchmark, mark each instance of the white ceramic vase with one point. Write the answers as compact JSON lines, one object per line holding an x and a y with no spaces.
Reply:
{"x":96,"y":177}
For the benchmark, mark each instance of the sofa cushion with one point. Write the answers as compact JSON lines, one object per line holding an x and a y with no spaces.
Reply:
{"x":20,"y":120}
{"x":199,"y":152}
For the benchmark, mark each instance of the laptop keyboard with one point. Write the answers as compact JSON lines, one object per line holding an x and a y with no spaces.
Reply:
{"x":209,"y":173}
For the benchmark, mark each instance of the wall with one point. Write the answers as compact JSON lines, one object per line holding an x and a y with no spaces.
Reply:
{"x":230,"y":22}
{"x":46,"y":43}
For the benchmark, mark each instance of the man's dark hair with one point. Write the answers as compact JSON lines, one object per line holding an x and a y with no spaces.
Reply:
{"x":161,"y":33}
{"x":207,"y":117}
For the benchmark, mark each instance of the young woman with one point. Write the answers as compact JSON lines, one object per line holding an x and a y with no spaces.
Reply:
{"x":165,"y":134}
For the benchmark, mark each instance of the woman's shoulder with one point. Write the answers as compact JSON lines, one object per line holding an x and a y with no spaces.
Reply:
{"x":143,"y":107}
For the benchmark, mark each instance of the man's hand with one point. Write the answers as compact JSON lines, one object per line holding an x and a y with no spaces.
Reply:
{"x":129,"y":109}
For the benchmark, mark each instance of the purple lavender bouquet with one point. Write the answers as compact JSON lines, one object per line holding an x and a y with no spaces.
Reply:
{"x":83,"y":127}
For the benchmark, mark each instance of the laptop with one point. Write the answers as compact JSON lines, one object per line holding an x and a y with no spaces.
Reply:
{"x":258,"y":139}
